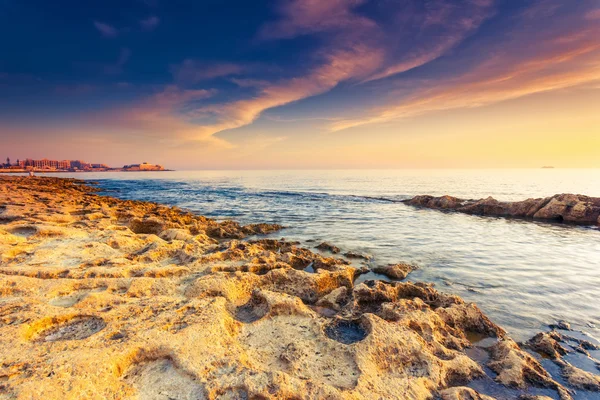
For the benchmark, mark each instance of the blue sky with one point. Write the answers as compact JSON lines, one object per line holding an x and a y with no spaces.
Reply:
{"x":236,"y":84}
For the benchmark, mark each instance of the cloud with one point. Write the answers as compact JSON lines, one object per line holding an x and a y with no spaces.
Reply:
{"x":106,"y":30}
{"x":250,"y":83}
{"x":434,"y":26}
{"x":541,"y":66}
{"x":355,"y":48}
{"x":359,"y":49}
{"x":192,"y":72}
{"x":342,"y":65}
{"x":172,"y":95}
{"x":593,"y":14}
{"x":158,"y":118}
{"x":150,"y":23}
{"x":300,"y":17}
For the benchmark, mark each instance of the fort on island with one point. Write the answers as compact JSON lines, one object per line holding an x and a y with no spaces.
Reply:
{"x":46,"y":165}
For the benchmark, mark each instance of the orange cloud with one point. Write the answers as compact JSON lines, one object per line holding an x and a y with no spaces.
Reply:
{"x":340,"y":66}
{"x":557,"y":62}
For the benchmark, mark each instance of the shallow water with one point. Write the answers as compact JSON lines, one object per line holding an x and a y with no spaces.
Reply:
{"x":525,"y":275}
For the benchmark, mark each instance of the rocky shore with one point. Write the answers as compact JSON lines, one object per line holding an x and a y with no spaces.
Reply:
{"x":111,"y":299}
{"x":572,"y":208}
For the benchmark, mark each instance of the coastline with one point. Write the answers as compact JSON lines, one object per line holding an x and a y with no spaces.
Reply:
{"x":107,"y":296}
{"x":25,"y":171}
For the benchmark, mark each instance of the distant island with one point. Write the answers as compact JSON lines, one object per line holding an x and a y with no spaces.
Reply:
{"x":46,"y":165}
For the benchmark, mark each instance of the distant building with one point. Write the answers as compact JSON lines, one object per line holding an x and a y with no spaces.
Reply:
{"x":143,"y":167}
{"x":99,"y":166}
{"x":78,"y":164}
{"x":64,"y":164}
{"x":45,"y":164}
{"x":74,"y":166}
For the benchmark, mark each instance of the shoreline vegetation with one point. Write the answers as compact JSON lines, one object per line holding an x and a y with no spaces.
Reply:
{"x":109,"y":298}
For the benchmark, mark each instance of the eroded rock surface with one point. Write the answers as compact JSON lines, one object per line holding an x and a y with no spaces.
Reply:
{"x":556,"y":346}
{"x":395,"y":271}
{"x":104,"y":298}
{"x":573,"y":208}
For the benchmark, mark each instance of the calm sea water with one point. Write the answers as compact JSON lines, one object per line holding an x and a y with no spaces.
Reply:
{"x":524,"y":275}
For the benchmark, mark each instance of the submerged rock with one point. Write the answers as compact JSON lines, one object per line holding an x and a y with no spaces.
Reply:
{"x":581,"y":379}
{"x":555,"y":346}
{"x":548,"y":344}
{"x":573,"y":208}
{"x":356,"y":255}
{"x":395,"y":271}
{"x":326,"y":246}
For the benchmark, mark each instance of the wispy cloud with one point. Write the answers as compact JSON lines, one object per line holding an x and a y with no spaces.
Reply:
{"x":555,"y":60}
{"x":300,"y":17}
{"x":593,"y":14}
{"x":106,"y":30}
{"x":150,"y":23}
{"x":360,"y":49}
{"x":434,"y":26}
{"x":159,"y":117}
{"x":339,"y":66}
{"x":191,"y":71}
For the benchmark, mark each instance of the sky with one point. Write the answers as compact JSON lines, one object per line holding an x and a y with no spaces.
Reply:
{"x":285,"y":84}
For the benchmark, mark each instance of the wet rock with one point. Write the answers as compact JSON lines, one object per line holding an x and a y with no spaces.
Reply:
{"x":548,"y":344}
{"x":395,"y":271}
{"x":359,"y":256}
{"x":442,"y":203}
{"x":564,"y":325}
{"x":580,"y":379}
{"x":325,"y":246}
{"x":572,"y":208}
{"x":346,"y":331}
{"x":516,"y":368}
{"x":261,"y":229}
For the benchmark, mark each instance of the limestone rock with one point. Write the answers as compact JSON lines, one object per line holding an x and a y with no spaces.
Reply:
{"x":325,"y":246}
{"x":548,"y":344}
{"x":335,"y":299}
{"x":148,"y":226}
{"x":581,"y":379}
{"x":91,"y":308}
{"x":574,"y":208}
{"x":463,"y":393}
{"x":395,"y":271}
{"x":356,"y":255}
{"x":516,"y":368}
